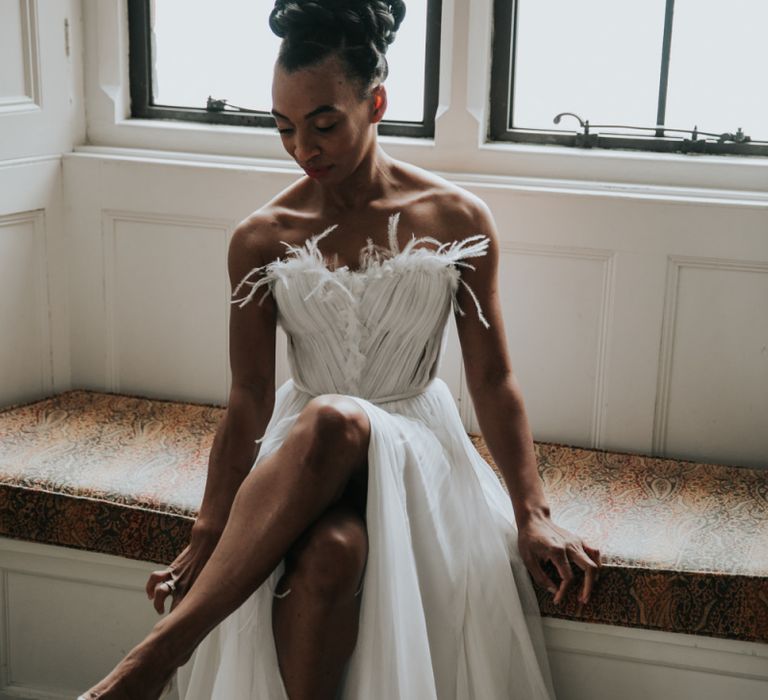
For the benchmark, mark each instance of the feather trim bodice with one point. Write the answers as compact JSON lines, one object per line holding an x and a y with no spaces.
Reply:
{"x":375,"y":332}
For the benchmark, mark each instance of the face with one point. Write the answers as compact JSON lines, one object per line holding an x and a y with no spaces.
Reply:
{"x":322,"y":123}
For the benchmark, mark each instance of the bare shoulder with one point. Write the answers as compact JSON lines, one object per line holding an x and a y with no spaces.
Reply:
{"x":467,"y":213}
{"x":256,"y":240}
{"x":451,"y":210}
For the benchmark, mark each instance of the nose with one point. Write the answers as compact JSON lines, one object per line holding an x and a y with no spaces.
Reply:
{"x":304,"y":147}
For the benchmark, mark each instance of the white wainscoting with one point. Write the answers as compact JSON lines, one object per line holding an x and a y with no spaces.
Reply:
{"x":67,"y":617}
{"x":605,"y":662}
{"x":41,"y":115}
{"x":177,"y":252}
{"x":34,"y":291}
{"x":25,"y":353}
{"x":635,"y":316}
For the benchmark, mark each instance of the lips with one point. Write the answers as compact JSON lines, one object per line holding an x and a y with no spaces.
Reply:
{"x":316,"y":172}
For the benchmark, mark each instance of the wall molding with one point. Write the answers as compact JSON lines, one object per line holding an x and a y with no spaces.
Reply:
{"x":31,"y":160}
{"x":58,"y":564}
{"x":42,"y":290}
{"x":605,"y":315}
{"x":32,"y":99}
{"x":109,"y":220}
{"x":675,"y":264}
{"x":723,"y":657}
{"x":590,"y":642}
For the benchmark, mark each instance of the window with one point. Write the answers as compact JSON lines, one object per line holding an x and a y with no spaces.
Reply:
{"x":183,"y":52}
{"x":658,"y":75}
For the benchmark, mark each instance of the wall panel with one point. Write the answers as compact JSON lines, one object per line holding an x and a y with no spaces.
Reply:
{"x":165,"y":287}
{"x":584,"y":284}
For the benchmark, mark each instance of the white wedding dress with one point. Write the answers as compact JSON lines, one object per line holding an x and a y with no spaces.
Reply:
{"x":448,"y":611}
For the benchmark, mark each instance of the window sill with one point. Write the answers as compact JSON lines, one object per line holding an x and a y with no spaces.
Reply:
{"x":526,"y":182}
{"x":738,"y":177}
{"x":726,"y":172}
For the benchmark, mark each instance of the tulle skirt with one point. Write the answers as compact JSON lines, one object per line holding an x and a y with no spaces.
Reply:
{"x":448,"y":611}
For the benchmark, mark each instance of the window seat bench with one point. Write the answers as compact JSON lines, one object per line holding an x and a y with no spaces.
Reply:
{"x":685,"y":544}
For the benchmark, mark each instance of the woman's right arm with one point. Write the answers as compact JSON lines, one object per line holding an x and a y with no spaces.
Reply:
{"x":252,"y":330}
{"x":251,"y":401}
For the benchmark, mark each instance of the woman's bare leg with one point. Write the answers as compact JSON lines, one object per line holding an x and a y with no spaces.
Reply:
{"x":276,"y":502}
{"x":315,"y":625}
{"x":316,"y":611}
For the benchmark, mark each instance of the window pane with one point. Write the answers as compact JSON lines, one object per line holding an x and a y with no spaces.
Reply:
{"x":405,"y":56}
{"x":717,"y":68}
{"x":598,"y":58}
{"x":228,"y":53}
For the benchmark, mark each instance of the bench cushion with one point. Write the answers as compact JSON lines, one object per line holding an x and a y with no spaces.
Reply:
{"x":685,"y":544}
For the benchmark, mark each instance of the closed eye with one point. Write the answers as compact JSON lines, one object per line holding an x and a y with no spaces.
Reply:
{"x":319,"y":128}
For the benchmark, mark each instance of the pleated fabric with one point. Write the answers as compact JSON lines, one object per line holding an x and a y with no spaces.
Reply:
{"x":448,"y":611}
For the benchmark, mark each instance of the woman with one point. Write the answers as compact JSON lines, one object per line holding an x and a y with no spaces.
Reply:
{"x":382,"y":536}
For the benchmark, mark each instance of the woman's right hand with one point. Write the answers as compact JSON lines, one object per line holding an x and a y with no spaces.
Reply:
{"x":178,"y":577}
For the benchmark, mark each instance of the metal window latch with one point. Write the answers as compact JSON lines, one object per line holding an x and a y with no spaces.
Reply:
{"x":587,"y":140}
{"x":222,"y":106}
{"x":738,"y":137}
{"x":215,"y":105}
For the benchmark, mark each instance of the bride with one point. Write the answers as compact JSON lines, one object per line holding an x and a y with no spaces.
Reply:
{"x":364,"y":549}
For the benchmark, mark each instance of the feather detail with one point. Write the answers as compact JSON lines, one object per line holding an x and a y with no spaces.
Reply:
{"x":375,"y":260}
{"x":482,"y":318}
{"x":465,"y":248}
{"x":455,"y":251}
{"x":392,"y":233}
{"x":266,"y":280}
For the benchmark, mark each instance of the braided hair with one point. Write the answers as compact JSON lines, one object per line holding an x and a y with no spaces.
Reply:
{"x":357,"y":31}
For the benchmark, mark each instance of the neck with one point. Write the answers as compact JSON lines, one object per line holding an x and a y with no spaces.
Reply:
{"x":370,"y":181}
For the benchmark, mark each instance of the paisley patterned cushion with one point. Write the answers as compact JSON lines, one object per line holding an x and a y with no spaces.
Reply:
{"x":684,"y":544}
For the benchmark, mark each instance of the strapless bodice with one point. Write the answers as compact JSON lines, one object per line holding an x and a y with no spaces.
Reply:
{"x":376,"y":332}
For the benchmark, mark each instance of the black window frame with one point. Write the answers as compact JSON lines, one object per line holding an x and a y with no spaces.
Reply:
{"x":501,"y":104}
{"x":142,"y":107}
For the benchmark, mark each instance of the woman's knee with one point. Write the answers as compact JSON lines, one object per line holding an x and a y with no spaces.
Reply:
{"x":338,"y":428}
{"x":331,"y":557}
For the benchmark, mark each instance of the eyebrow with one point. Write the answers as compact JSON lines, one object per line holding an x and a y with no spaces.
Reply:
{"x":314,"y":112}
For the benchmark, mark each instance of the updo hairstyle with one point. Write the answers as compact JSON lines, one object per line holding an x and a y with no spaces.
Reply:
{"x":358,"y":31}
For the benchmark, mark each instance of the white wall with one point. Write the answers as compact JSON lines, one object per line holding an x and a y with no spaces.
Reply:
{"x":634,"y":284}
{"x":636,"y":319}
{"x":41,"y":116}
{"x":93,"y":609}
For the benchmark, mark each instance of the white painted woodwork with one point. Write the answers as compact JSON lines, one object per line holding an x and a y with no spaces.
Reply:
{"x":68,"y":616}
{"x":614,"y":307}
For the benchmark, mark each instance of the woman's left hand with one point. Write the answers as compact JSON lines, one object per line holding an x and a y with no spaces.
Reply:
{"x":541,"y":540}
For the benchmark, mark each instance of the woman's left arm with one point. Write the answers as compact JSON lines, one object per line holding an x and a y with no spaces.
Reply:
{"x":498,"y":402}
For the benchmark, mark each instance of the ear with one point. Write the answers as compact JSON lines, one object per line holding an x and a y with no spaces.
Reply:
{"x":379,"y":103}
